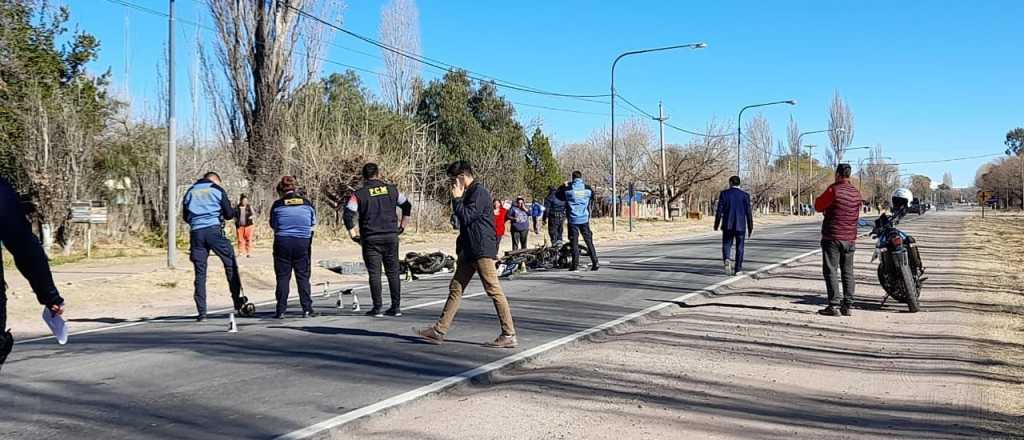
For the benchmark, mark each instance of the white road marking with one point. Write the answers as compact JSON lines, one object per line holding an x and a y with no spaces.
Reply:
{"x":451,"y":381}
{"x":648,"y":259}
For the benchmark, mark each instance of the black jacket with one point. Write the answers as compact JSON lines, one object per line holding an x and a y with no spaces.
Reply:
{"x":475,"y":214}
{"x":554,"y":206}
{"x":248,"y":216}
{"x":376,"y":203}
{"x":16,"y":236}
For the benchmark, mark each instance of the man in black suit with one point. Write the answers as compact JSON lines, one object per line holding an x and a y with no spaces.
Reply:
{"x":736,"y":218}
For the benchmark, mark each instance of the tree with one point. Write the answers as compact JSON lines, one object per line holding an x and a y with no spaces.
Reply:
{"x":1015,"y":145}
{"x":921,"y":186}
{"x":840,"y":122}
{"x":400,"y":29}
{"x":543,"y":170}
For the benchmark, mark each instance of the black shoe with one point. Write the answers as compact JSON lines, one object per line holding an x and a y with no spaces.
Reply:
{"x":201,"y":318}
{"x":594,"y":267}
{"x":310,"y":314}
{"x":6,"y":345}
{"x":574,"y":269}
{"x":279,"y":316}
{"x":394,"y":311}
{"x":845,"y":310}
{"x":375,"y":312}
{"x":829,"y":311}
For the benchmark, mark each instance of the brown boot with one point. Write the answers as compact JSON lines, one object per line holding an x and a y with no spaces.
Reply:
{"x":504,"y":341}
{"x":430,"y":335}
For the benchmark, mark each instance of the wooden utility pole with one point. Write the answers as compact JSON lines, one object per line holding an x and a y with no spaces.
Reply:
{"x":664,"y":170}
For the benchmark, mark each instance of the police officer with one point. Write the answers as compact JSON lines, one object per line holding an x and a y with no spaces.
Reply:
{"x":292,"y":217}
{"x":579,"y":198}
{"x":205,"y":208}
{"x":554,"y":215}
{"x":16,"y":237}
{"x":376,"y":203}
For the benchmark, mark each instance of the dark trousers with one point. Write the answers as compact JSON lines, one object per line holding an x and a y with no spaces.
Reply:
{"x":201,"y":243}
{"x":292,"y":254}
{"x":574,"y":238}
{"x":740,"y":238}
{"x":555,"y":227}
{"x":381,"y":250}
{"x":519,"y":239}
{"x":836,"y":262}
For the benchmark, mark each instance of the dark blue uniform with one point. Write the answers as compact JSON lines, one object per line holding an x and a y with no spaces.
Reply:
{"x":16,"y":237}
{"x":205,"y":207}
{"x":377,"y":204}
{"x":554,"y":215}
{"x":292,"y":218}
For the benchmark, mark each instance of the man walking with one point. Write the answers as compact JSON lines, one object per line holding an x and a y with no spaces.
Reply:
{"x":841,"y":205}
{"x":579,"y":198}
{"x":520,"y":219}
{"x":205,"y":208}
{"x":736,"y":218}
{"x":292,"y":218}
{"x":477,"y":250}
{"x":554,"y":215}
{"x":377,"y":203}
{"x":30,"y":259}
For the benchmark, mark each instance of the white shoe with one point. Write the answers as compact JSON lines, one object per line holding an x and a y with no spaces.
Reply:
{"x":727,"y":267}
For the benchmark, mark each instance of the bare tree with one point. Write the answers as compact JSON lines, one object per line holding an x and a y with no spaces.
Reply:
{"x":840,"y":121}
{"x":793,"y":136}
{"x":400,"y":29}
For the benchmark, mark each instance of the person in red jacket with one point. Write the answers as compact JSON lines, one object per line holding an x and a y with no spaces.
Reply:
{"x":841,"y":205}
{"x":499,"y":220}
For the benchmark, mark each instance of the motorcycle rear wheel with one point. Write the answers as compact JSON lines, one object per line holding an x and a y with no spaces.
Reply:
{"x":909,"y":288}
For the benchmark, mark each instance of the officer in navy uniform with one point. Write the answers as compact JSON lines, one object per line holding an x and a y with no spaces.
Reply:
{"x":30,"y":259}
{"x":377,"y":203}
{"x":292,"y":218}
{"x":579,"y":199}
{"x":205,"y":208}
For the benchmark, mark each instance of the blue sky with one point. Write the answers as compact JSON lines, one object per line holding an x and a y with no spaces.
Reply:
{"x":927,"y":80}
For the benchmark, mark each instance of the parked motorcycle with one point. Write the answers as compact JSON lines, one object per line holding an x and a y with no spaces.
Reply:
{"x":900,"y":271}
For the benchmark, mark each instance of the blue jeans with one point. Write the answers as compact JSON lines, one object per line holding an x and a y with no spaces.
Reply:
{"x":728,"y":237}
{"x":201,"y":242}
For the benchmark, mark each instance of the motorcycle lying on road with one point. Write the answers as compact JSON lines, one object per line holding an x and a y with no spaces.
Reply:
{"x":900,"y":271}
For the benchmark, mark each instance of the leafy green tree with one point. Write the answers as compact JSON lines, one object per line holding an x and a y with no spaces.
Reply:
{"x":1015,"y":141}
{"x":542,"y":167}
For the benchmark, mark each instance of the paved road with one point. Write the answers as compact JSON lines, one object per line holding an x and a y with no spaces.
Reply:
{"x":179,"y":379}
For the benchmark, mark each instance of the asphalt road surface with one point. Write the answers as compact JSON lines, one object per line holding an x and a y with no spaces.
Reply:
{"x":175,"y":378}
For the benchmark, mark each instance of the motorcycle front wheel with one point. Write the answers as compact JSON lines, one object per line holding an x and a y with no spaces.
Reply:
{"x":909,"y":286}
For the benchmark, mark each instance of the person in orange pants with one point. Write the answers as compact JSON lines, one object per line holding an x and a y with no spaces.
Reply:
{"x":244,"y":221}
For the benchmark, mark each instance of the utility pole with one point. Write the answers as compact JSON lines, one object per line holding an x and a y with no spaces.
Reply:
{"x":810,"y":170}
{"x":664,"y":171}
{"x":172,"y":178}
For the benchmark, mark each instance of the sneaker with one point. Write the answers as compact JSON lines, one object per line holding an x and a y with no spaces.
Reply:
{"x":279,"y":316}
{"x":504,"y":341}
{"x":594,"y":267}
{"x":738,"y":273}
{"x":430,"y":335}
{"x":727,"y":267}
{"x":394,"y":311}
{"x":574,"y":269}
{"x":845,"y":310}
{"x":310,"y":314}
{"x":375,"y":312}
{"x":6,"y":345}
{"x":201,"y":318}
{"x":829,"y":311}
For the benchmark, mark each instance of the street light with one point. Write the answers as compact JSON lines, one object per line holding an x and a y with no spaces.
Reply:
{"x":739,"y":126}
{"x":799,"y":150}
{"x":615,"y":186}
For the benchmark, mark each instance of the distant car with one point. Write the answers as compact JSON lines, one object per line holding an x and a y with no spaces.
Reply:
{"x":916,"y":207}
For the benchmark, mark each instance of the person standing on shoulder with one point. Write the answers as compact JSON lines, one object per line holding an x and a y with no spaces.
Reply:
{"x":205,"y":207}
{"x":16,"y":237}
{"x":536,"y":212}
{"x":476,"y":250}
{"x":377,"y":205}
{"x":554,"y":215}
{"x":520,"y":219}
{"x":736,"y":218}
{"x":579,"y":199}
{"x":500,"y":214}
{"x":244,"y":226}
{"x":292,"y":218}
{"x":841,"y":205}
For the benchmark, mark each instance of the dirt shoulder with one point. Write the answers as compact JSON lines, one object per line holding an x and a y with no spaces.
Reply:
{"x":755,"y":361}
{"x":116,"y":290}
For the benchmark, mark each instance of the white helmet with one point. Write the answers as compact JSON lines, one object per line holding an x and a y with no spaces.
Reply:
{"x":901,"y":198}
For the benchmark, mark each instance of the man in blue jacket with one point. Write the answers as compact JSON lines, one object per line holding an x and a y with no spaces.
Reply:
{"x":736,"y":219}
{"x":30,"y":259}
{"x":579,"y":198}
{"x":205,"y":208}
{"x":292,"y":218}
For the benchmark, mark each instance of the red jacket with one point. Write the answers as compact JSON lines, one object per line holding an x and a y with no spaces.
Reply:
{"x":499,"y":221}
{"x":841,"y":204}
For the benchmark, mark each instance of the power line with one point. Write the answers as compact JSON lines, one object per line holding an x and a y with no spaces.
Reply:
{"x":645,"y":113}
{"x":955,"y":159}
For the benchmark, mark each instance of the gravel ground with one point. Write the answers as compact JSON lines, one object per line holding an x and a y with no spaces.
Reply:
{"x":754,"y":361}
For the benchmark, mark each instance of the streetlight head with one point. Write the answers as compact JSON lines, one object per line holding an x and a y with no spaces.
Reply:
{"x":791,"y":102}
{"x":700,"y":46}
{"x":840,"y":130}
